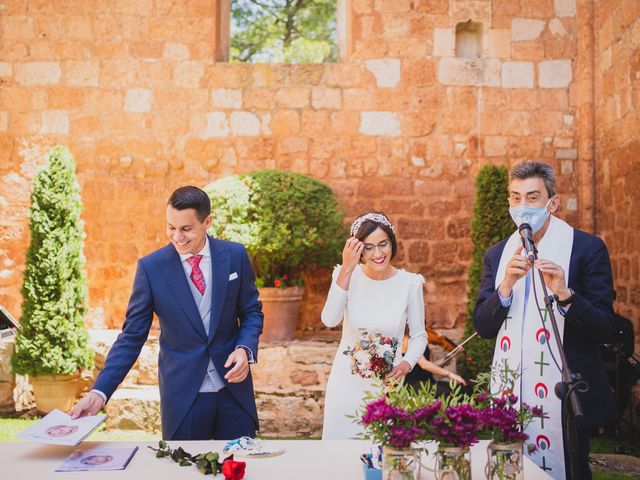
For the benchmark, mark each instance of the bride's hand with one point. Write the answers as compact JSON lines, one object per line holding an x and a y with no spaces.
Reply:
{"x":399,"y":371}
{"x":351,"y":253}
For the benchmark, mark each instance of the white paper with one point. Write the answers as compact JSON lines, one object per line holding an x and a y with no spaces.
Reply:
{"x":58,"y":428}
{"x":97,"y":459}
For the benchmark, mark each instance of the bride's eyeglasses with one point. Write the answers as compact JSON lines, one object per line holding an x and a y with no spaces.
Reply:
{"x":384,"y":247}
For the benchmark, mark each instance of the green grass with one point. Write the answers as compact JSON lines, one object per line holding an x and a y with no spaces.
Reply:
{"x":9,"y":427}
{"x":613,"y":476}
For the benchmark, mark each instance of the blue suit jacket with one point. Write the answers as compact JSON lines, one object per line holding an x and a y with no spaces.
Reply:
{"x":161,"y":287}
{"x":588,"y":323}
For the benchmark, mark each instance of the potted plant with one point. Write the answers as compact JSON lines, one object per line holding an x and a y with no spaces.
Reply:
{"x":288,"y":222}
{"x":51,"y":346}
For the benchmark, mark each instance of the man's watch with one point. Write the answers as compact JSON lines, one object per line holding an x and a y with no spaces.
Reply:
{"x":567,"y":301}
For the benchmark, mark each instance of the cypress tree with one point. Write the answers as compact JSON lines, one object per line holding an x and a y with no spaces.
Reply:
{"x":53,"y":339}
{"x":491,"y":223}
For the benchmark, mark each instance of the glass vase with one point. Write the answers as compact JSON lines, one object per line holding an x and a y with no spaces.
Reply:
{"x":453,"y":463}
{"x":504,"y":461}
{"x":401,"y":464}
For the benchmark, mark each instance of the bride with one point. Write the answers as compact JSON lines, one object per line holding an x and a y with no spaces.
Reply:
{"x":376,"y":301}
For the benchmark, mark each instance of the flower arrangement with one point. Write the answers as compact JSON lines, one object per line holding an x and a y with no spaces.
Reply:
{"x":506,"y":422}
{"x":207,"y":463}
{"x":372,"y":355}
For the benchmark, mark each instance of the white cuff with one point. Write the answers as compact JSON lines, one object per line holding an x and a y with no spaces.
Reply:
{"x":249,"y":352}
{"x":104,"y":397}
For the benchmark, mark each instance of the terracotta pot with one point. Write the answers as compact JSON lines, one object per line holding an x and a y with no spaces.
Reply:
{"x":54,"y":391}
{"x":280,"y":307}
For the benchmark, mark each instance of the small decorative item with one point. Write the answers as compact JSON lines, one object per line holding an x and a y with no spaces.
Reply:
{"x":372,"y":355}
{"x":250,"y":447}
{"x":504,"y":461}
{"x":453,"y":463}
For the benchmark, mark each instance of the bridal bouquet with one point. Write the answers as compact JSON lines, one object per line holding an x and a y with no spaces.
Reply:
{"x":372,"y":355}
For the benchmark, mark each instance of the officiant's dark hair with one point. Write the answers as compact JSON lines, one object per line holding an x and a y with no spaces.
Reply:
{"x":191,"y":197}
{"x":367,"y":227}
{"x":524,"y":170}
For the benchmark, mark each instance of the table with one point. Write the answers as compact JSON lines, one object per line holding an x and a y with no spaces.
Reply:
{"x":302,"y":460}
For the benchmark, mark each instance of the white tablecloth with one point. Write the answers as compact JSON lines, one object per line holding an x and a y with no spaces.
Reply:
{"x":302,"y":460}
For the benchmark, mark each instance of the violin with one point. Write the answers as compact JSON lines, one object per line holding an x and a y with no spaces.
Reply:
{"x":447,"y":345}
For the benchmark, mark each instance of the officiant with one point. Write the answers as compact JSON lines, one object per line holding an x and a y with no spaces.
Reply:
{"x":577,"y":270}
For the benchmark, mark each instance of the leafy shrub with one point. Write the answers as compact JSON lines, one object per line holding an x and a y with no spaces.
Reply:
{"x":287,"y":221}
{"x":53,"y":339}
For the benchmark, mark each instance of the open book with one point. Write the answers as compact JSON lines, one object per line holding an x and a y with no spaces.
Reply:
{"x":58,"y":428}
{"x":98,"y":458}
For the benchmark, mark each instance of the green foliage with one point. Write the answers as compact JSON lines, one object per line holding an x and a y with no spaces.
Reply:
{"x":54,"y":338}
{"x":287,"y":221}
{"x":207,"y":463}
{"x":491,"y":223}
{"x":289,"y":31}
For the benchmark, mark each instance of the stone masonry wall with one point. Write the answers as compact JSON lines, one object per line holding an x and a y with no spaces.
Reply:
{"x":402,"y":125}
{"x":617,"y":176}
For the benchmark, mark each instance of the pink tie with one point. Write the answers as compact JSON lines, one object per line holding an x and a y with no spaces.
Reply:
{"x":197,"y":277}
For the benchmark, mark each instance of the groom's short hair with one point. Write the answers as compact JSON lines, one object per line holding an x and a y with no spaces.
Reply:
{"x":524,"y":170}
{"x":191,"y":197}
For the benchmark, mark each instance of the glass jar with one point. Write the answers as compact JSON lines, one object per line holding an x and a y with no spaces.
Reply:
{"x":504,"y":461}
{"x":400,"y":464}
{"x":453,"y":463}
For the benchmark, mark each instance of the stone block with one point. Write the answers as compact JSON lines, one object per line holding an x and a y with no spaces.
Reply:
{"x":293,"y":97}
{"x":323,"y":97}
{"x":386,"y":71}
{"x":5,"y":69}
{"x":557,"y":28}
{"x":444,"y":42}
{"x":555,"y":73}
{"x":188,"y":74}
{"x":245,"y":124}
{"x":216,"y":125}
{"x":564,"y":8}
{"x":285,"y":122}
{"x":497,"y":43}
{"x":467,"y":71}
{"x":526,"y":29}
{"x":134,"y":409}
{"x":4,"y":121}
{"x":495,"y":146}
{"x":138,"y":100}
{"x":227,"y":98}
{"x":566,"y":154}
{"x":38,"y":73}
{"x":82,"y":73}
{"x":517,"y":75}
{"x":379,"y":123}
{"x":54,"y":121}
{"x":7,"y":345}
{"x":175,"y":51}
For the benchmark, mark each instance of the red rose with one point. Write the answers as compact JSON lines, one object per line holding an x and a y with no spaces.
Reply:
{"x":233,"y":470}
{"x":285,"y":277}
{"x":277,"y":283}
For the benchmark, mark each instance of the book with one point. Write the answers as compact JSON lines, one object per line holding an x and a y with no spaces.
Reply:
{"x":97,"y":459}
{"x":57,"y":428}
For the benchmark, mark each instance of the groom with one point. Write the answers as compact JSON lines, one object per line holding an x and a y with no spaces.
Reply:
{"x":203,"y":292}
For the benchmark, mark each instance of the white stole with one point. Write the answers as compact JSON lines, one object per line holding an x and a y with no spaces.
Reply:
{"x":524,"y":342}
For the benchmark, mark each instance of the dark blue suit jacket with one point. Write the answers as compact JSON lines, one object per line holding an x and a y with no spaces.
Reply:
{"x":161,"y":287}
{"x":588,"y":323}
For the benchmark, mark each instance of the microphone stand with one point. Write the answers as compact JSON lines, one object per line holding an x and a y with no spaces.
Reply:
{"x":567,"y":388}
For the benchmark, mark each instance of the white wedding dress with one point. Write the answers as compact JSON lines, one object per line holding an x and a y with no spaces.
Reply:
{"x":380,"y":306}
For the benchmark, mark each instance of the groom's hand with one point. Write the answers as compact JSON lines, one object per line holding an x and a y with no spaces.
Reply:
{"x":241,"y":369}
{"x":90,"y":404}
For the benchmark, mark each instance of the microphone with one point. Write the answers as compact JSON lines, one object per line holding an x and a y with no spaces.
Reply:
{"x":526,"y":234}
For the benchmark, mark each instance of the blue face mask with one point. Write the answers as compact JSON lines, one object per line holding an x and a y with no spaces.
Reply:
{"x":534,"y":216}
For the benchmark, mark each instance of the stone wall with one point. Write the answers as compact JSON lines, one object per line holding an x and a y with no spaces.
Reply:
{"x":617,"y":134}
{"x":401,"y":124}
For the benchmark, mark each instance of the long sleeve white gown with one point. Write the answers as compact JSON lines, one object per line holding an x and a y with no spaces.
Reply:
{"x":380,"y":306}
